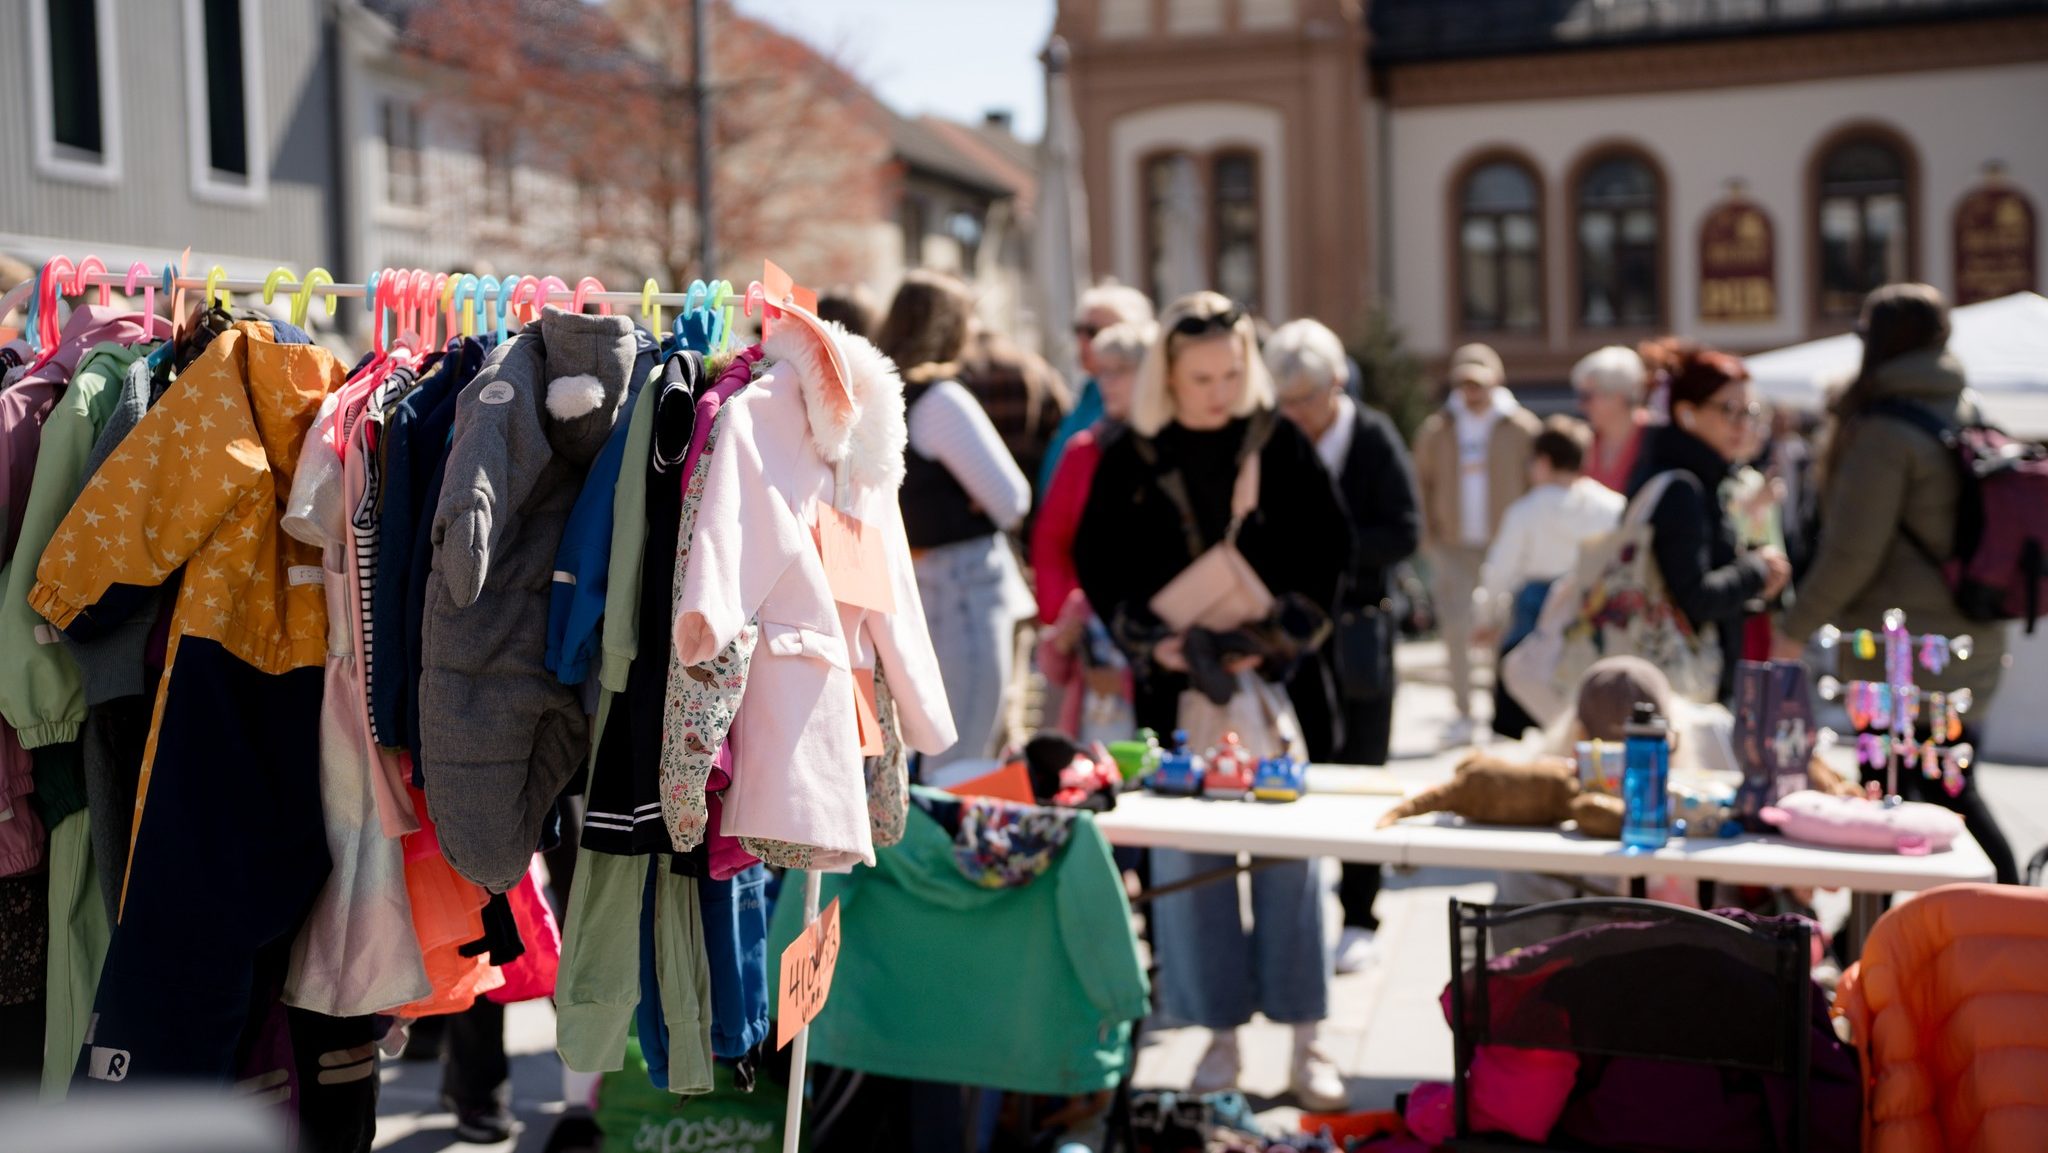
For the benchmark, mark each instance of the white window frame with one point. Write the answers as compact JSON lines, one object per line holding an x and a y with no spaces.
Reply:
{"x":389,"y":205}
{"x":55,"y":160}
{"x":208,"y":183}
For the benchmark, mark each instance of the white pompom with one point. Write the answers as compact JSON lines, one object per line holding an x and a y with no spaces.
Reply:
{"x":572,"y":396}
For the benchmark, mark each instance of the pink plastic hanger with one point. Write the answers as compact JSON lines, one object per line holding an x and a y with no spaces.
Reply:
{"x":92,"y":265}
{"x":140,"y":271}
{"x":583,"y":288}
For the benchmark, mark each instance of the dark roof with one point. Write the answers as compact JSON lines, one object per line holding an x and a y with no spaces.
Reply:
{"x":926,"y":149}
{"x":1441,"y":29}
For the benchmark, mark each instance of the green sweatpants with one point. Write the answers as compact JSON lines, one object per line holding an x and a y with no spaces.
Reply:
{"x":78,"y":947}
{"x":598,"y":987}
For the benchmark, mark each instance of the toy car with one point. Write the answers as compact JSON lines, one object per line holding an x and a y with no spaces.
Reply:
{"x":1230,"y":770}
{"x":1138,"y":756}
{"x":1280,"y":778}
{"x":1180,"y":772}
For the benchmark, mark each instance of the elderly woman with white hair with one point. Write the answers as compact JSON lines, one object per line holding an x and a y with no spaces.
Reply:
{"x":1164,"y":495}
{"x":1101,"y":307}
{"x":1611,"y":384}
{"x":1354,"y":683}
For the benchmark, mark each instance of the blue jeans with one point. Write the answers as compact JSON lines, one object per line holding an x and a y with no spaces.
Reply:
{"x":1523,"y":613}
{"x":1215,"y":973}
{"x":970,"y":610}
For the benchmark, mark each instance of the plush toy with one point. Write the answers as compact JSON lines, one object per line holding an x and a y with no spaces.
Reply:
{"x":1911,"y":829}
{"x":1599,"y":815}
{"x":1496,"y":792}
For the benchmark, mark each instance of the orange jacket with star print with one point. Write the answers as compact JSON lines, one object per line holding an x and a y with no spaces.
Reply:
{"x":199,"y":483}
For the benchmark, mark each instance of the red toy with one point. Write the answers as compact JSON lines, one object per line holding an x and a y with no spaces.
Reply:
{"x":1231,"y":769}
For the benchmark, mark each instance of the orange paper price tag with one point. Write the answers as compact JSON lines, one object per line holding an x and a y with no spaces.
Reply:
{"x":807,"y":975}
{"x":864,"y":711}
{"x":856,"y":564}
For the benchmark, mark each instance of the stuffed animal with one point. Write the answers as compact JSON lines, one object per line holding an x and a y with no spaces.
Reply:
{"x":1911,"y":828}
{"x":1492,"y":791}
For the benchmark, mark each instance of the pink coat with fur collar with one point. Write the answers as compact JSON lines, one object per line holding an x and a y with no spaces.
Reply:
{"x":796,"y":746}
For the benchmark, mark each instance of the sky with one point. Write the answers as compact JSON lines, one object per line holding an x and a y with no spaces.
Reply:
{"x":951,"y":58}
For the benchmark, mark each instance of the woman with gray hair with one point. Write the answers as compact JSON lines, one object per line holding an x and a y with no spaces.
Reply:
{"x":1353,"y":684}
{"x":1610,"y":384}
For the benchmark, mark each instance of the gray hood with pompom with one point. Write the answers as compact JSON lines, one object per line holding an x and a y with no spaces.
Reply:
{"x":500,"y":734}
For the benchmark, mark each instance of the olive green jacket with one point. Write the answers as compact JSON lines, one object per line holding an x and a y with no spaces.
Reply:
{"x":1893,"y":478}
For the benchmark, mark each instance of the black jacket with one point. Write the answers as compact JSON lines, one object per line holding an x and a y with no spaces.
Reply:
{"x":1695,"y":541}
{"x":1130,"y":542}
{"x":1379,"y":492}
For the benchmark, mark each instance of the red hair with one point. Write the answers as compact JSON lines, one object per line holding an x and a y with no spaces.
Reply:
{"x":1691,"y":372}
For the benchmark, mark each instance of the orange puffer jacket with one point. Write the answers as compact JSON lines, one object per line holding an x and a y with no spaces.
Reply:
{"x":1948,"y":1011}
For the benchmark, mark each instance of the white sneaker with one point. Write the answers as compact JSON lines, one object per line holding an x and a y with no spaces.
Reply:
{"x":1220,"y":1066}
{"x":1315,"y":1082}
{"x":1356,"y":951}
{"x":1459,"y":733}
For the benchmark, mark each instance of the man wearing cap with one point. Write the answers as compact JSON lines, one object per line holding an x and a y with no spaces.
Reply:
{"x":1472,"y":462}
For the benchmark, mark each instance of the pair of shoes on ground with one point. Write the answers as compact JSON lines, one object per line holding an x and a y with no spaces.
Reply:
{"x":489,"y":1124}
{"x":1357,"y":951}
{"x":1313,"y":1079}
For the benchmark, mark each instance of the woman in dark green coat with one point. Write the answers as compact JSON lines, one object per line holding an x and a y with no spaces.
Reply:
{"x":1885,"y":485}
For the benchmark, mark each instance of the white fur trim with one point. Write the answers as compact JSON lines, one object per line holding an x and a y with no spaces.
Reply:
{"x":870,"y":434}
{"x":570,"y":397}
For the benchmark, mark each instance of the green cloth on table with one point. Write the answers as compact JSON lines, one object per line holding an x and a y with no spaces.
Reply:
{"x":1030,"y":989}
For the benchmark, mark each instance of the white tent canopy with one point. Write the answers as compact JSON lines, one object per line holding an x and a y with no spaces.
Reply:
{"x":2002,"y":343}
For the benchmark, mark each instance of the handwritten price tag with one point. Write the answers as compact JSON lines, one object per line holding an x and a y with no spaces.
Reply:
{"x":807,"y":974}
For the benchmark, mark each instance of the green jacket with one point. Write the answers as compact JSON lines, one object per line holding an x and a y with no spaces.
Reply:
{"x":1893,"y":478}
{"x":41,"y":693}
{"x":1030,"y":989}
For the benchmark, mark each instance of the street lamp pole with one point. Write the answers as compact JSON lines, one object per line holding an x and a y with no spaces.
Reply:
{"x":700,"y":36}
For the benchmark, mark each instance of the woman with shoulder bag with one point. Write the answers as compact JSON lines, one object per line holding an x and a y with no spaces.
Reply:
{"x":1211,"y":541}
{"x":1889,"y":492}
{"x":1707,"y":576}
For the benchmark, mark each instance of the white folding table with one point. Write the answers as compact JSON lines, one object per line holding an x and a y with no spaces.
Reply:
{"x":1330,"y":823}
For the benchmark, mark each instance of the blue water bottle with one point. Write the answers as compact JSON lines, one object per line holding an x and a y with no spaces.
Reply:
{"x":1645,"y":775}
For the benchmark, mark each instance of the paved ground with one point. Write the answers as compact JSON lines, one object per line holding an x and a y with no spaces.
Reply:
{"x":1385,"y":1029}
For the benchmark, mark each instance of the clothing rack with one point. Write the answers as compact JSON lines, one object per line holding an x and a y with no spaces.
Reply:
{"x":18,"y":296}
{"x":510,"y":293}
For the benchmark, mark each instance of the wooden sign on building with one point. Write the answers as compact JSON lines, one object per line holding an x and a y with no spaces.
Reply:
{"x":1994,"y":249}
{"x":1738,"y":266}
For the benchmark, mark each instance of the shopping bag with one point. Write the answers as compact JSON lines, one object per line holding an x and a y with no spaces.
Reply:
{"x":1614,"y":603}
{"x":1258,"y":712}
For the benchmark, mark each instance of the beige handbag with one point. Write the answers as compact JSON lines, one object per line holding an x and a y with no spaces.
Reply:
{"x":1219,"y":590}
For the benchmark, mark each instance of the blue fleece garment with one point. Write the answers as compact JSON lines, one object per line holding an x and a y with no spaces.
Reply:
{"x":736,"y":946}
{"x":653,"y":1027}
{"x":583,"y":559}
{"x":1087,"y":410}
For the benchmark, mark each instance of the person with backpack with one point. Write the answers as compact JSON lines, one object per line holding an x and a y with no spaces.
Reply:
{"x":1892,"y":502}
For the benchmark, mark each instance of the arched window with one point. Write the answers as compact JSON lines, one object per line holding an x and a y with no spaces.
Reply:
{"x":1863,"y":217}
{"x":1620,"y":244}
{"x":1235,"y":178}
{"x":1202,"y":225}
{"x":1500,"y":249}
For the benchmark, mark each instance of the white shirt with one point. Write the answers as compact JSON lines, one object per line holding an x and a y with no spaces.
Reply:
{"x":1335,"y":443}
{"x":1475,"y":436}
{"x":1539,"y":540}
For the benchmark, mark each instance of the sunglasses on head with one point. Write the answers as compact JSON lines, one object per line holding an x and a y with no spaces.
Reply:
{"x":1197,"y":325}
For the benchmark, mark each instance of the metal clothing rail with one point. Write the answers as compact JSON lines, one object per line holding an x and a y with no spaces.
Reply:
{"x":18,"y":296}
{"x":290,"y":284}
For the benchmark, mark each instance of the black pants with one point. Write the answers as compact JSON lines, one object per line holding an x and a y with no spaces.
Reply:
{"x":337,"y":1070}
{"x":1368,"y":730}
{"x":475,"y":1074}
